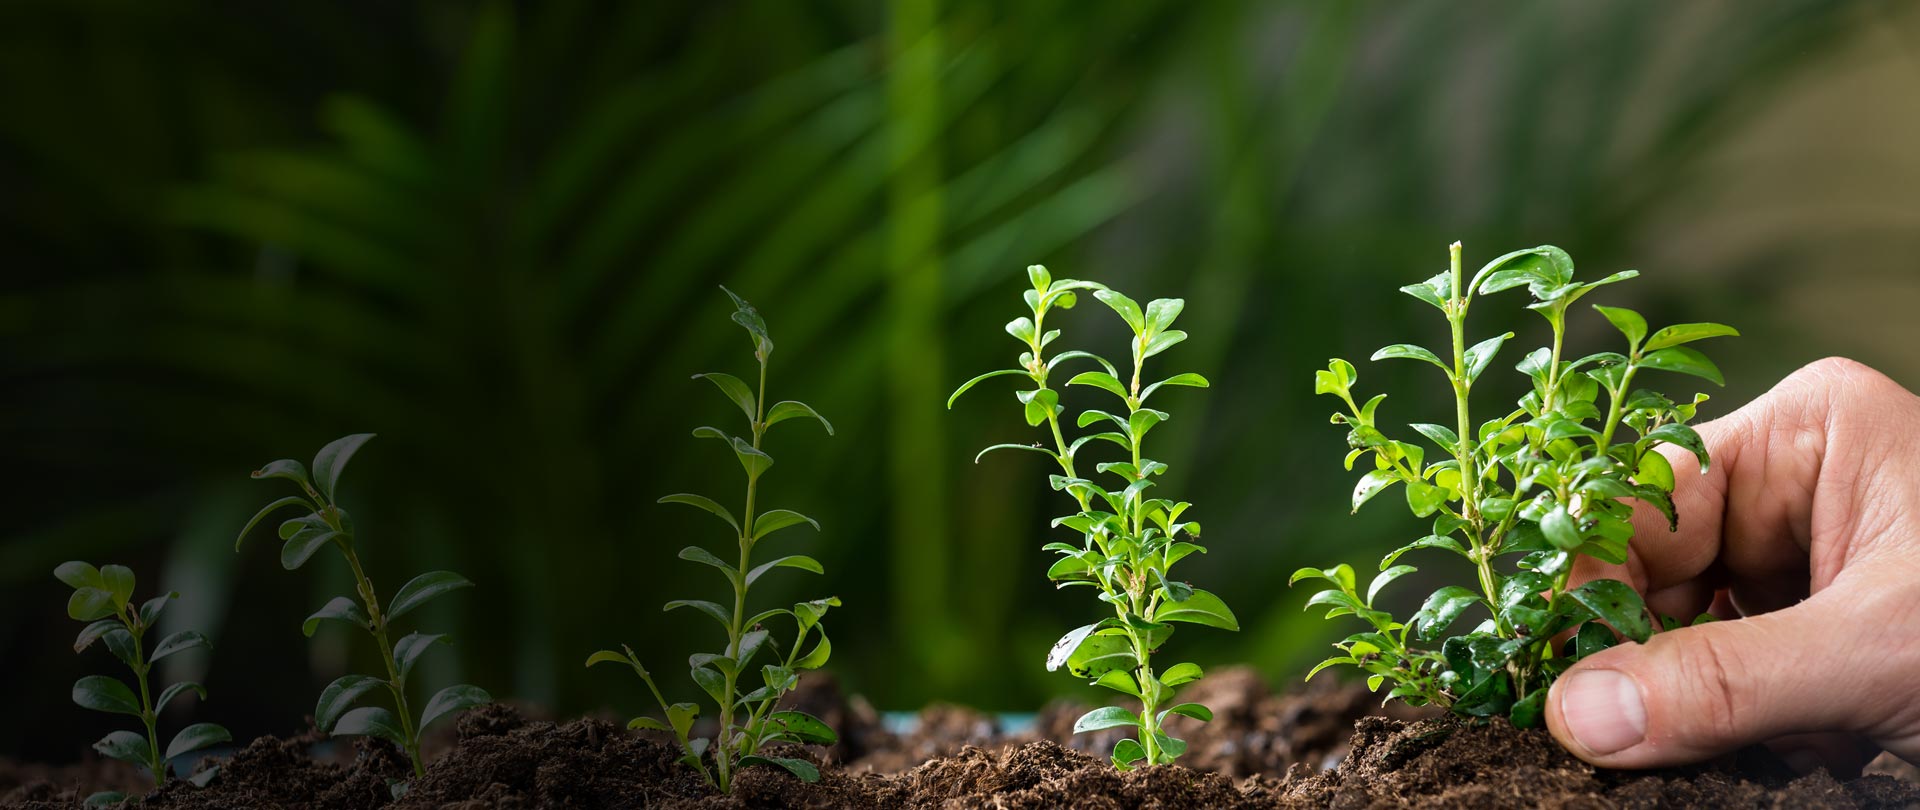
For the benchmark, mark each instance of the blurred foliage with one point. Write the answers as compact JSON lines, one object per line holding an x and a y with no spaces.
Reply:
{"x":492,"y":233}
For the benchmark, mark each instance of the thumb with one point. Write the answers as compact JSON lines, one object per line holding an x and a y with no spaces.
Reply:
{"x":1697,"y":692}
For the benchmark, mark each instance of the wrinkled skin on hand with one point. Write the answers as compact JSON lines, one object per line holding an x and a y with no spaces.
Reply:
{"x":1806,"y":534}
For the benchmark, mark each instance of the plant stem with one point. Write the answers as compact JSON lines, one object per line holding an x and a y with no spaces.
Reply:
{"x":396,"y":681}
{"x":148,"y":716}
{"x":727,"y":736}
{"x":1463,"y":451}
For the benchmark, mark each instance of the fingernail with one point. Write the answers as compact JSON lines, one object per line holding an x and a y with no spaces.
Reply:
{"x":1603,"y":710}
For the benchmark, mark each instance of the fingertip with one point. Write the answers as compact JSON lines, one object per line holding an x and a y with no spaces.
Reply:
{"x":1597,"y":714}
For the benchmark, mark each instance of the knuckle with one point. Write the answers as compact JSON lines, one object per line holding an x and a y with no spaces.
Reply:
{"x":1845,"y":377}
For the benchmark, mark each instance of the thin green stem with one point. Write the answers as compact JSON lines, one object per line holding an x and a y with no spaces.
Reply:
{"x":377,"y":622}
{"x":148,"y":717}
{"x":729,"y":737}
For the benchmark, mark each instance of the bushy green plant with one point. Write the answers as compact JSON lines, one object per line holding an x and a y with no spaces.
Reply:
{"x":326,"y":524}
{"x":747,"y":720}
{"x":103,"y":597}
{"x":1129,"y":541}
{"x":1540,"y":485}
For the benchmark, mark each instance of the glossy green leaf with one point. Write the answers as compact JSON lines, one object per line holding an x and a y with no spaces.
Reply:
{"x":1687,"y":333}
{"x":1181,"y":673}
{"x":1529,"y":711}
{"x":1106,"y":717}
{"x":1684,"y":361}
{"x":1441,"y":609}
{"x":1654,"y":471}
{"x":103,"y":694}
{"x":734,"y":390}
{"x":790,"y":409}
{"x":92,"y":633}
{"x":370,"y":721}
{"x":332,"y":459}
{"x":1685,"y":438}
{"x":452,"y":699}
{"x":78,"y":575}
{"x":1127,"y":752}
{"x":1618,"y":604}
{"x":806,"y":771}
{"x":804,"y":727}
{"x":88,"y":604}
{"x":1033,"y":448}
{"x":719,"y":614}
{"x":1592,"y":638}
{"x":338,"y":609}
{"x":1371,"y":484}
{"x":801,"y":562}
{"x":1480,"y":355}
{"x":408,"y":650}
{"x":1341,"y":575}
{"x":1408,"y":351}
{"x":752,"y":459}
{"x":982,"y":378}
{"x":703,"y":502}
{"x":681,"y":716}
{"x":179,"y":642}
{"x":286,"y":468}
{"x":1561,"y":529}
{"x":290,"y":500}
{"x":424,"y":588}
{"x":774,"y":520}
{"x":644,"y":723}
{"x":301,"y":547}
{"x":340,"y":696}
{"x":175,"y":690}
{"x":1386,"y":577}
{"x":1424,"y":499}
{"x":1628,"y":322}
{"x":1200,"y":608}
{"x":1129,"y":310}
{"x":150,"y":609}
{"x":818,"y":657}
{"x":195,"y":737}
{"x":1188,"y":379}
{"x":1101,"y":380}
{"x":126,"y":746}
{"x":1193,"y":710}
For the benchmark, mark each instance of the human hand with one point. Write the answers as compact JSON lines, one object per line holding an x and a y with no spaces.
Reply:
{"x":1807,"y":529}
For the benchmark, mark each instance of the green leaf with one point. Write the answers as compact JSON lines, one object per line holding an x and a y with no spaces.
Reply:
{"x":1687,"y":333}
{"x":1617,"y":603}
{"x":750,"y":320}
{"x":1161,"y":312}
{"x":1371,"y":484}
{"x":1628,"y":322}
{"x":121,"y":643}
{"x":370,"y":721}
{"x":1126,"y":752}
{"x":103,"y":694}
{"x":1424,"y":498}
{"x":1434,"y":291}
{"x":92,"y":633}
{"x":804,"y":727}
{"x":782,"y":411}
{"x":809,"y":613}
{"x":1592,"y":638}
{"x":1106,"y":717}
{"x":1065,"y":647}
{"x":1441,"y":609}
{"x":1381,"y":580}
{"x":195,"y":737}
{"x":1341,"y":575}
{"x":817,"y":658}
{"x":752,"y":459}
{"x":452,"y":699}
{"x":1119,"y":680}
{"x":718,"y":613}
{"x":332,"y":459}
{"x":1430,"y":541}
{"x":290,"y":500}
{"x":339,"y":609}
{"x":774,"y":520}
{"x":703,"y":502}
{"x":423,"y":588}
{"x":735,"y":390}
{"x":408,"y":650}
{"x":705,"y":557}
{"x":682,"y":715}
{"x":1188,"y":379}
{"x":1560,"y":528}
{"x":1129,"y":310}
{"x":1542,"y":268}
{"x":167,"y":695}
{"x":1200,"y":608}
{"x":1528,"y":712}
{"x":1654,"y":471}
{"x":1102,"y":381}
{"x":118,"y":581}
{"x":179,"y":642}
{"x":1170,"y":748}
{"x":125,"y":746}
{"x":806,"y":771}
{"x":611,"y":657}
{"x":1480,"y":355}
{"x":306,"y":540}
{"x":1027,"y":447}
{"x":1685,"y":361}
{"x":1683,"y":436}
{"x":1181,"y":673}
{"x":88,"y":604}
{"x":801,"y":562}
{"x":150,"y":609}
{"x":1193,"y":710}
{"x":647,"y":724}
{"x":1162,"y":342}
{"x":286,"y":468}
{"x":977,"y":380}
{"x":78,"y":575}
{"x":1408,"y":351}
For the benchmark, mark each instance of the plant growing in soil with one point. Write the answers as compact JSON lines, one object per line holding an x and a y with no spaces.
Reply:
{"x":326,"y":524}
{"x":1129,"y":541}
{"x":1542,"y":484}
{"x":103,"y":597}
{"x":747,"y":721}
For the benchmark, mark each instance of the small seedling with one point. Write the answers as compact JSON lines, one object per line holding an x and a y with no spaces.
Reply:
{"x":1129,"y":542}
{"x":747,"y":721}
{"x":103,"y":597}
{"x":1543,"y":484}
{"x":326,"y":524}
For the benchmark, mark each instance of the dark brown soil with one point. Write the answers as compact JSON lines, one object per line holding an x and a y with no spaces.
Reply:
{"x":1261,"y":751}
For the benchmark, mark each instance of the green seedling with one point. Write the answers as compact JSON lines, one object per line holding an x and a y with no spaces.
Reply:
{"x":1534,"y":489}
{"x":103,"y":597}
{"x":747,"y":719}
{"x":326,"y":524}
{"x":1129,"y":542}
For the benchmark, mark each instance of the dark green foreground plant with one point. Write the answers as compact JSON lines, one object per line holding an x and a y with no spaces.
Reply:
{"x":746,"y":720}
{"x":103,"y":597}
{"x":1129,"y":542}
{"x":1548,"y":481}
{"x":326,"y":524}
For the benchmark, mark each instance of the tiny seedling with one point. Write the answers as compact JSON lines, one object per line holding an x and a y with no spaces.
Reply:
{"x":326,"y":524}
{"x":747,"y":721}
{"x":1129,"y":542}
{"x":103,"y":597}
{"x":1540,"y":485}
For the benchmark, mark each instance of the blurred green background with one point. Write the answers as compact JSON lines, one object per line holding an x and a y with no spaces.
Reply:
{"x":492,"y":233}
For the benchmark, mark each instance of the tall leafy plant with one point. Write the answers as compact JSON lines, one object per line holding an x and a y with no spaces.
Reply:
{"x":324,"y":525}
{"x":1519,"y":497}
{"x":1129,"y":542}
{"x":103,"y":597}
{"x":747,"y":719}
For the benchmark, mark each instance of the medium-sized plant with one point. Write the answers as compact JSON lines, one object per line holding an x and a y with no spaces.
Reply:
{"x":103,"y":597}
{"x":324,"y":525}
{"x":747,"y":720}
{"x":1540,"y":485}
{"x":1129,"y":542}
